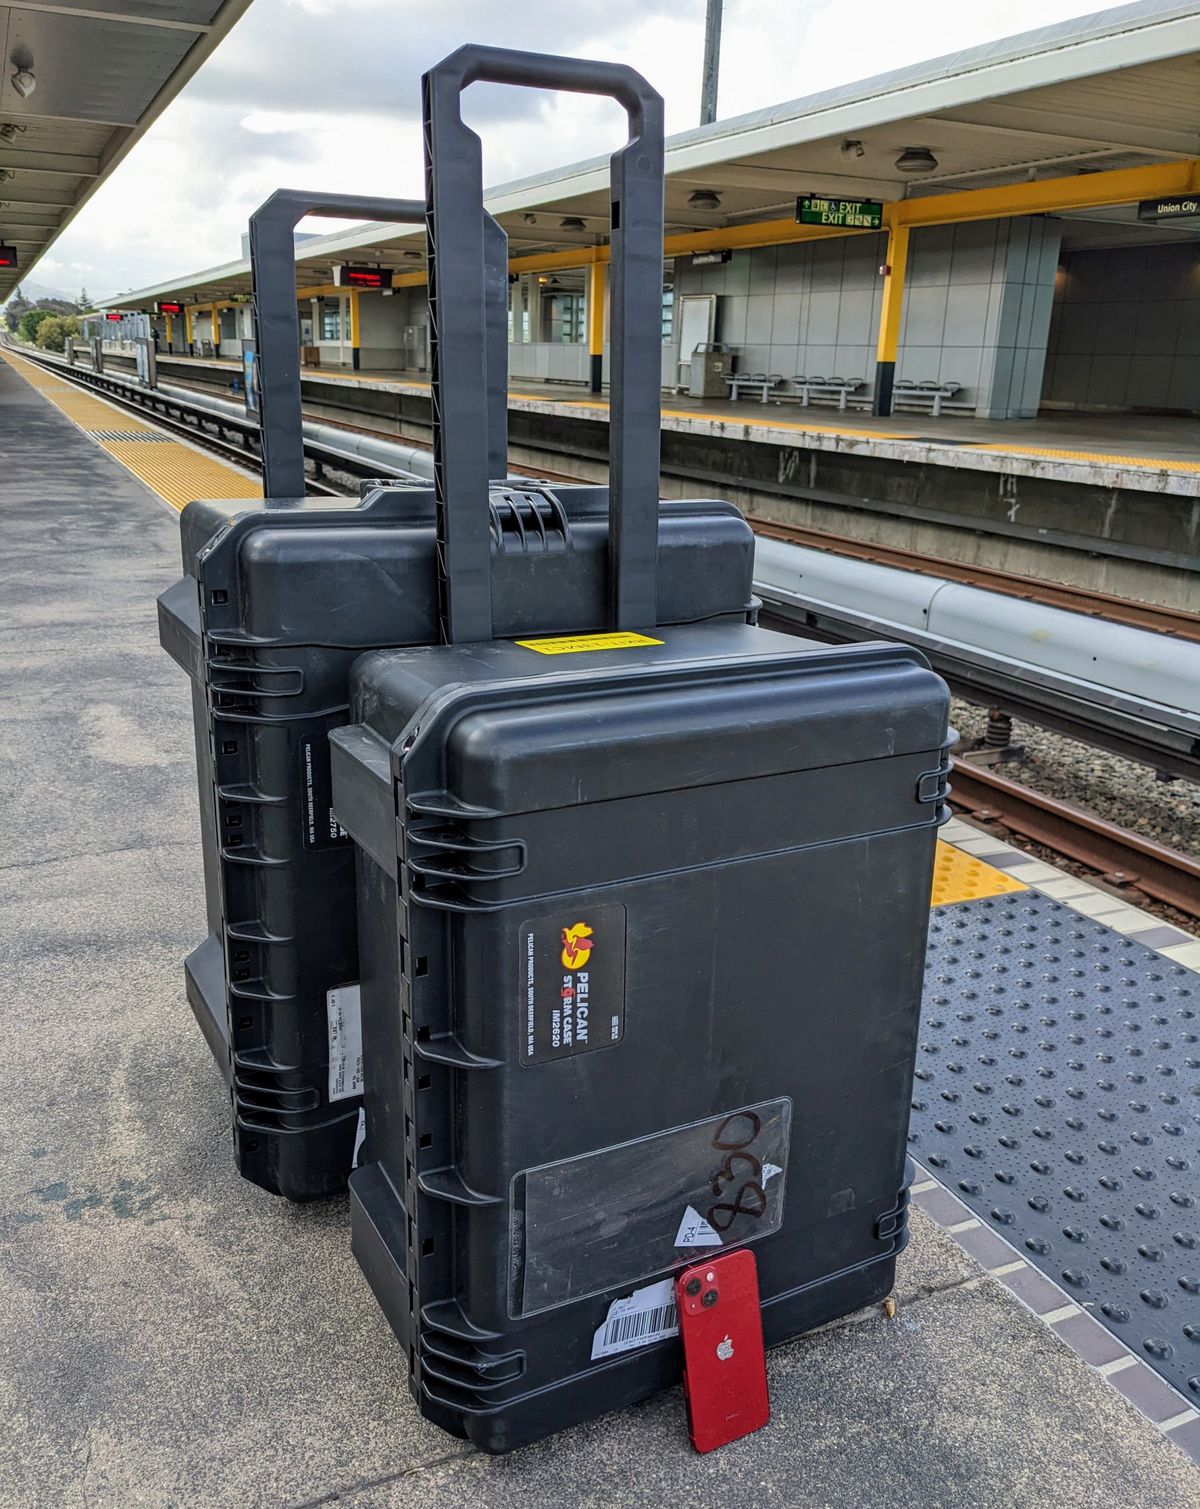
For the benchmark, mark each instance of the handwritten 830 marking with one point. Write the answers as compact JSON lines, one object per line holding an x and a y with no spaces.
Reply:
{"x":751,"y":1198}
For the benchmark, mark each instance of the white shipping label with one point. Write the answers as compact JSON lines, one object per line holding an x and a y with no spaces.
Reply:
{"x":345,"y":1042}
{"x":695,"y":1231}
{"x":644,"y":1316}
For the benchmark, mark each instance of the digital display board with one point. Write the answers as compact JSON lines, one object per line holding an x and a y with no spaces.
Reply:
{"x":8,"y":255}
{"x":347,"y":276}
{"x":170,"y":308}
{"x":114,"y":314}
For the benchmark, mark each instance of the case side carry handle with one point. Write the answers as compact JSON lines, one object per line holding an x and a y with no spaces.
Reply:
{"x":460,"y":369}
{"x":277,"y":326}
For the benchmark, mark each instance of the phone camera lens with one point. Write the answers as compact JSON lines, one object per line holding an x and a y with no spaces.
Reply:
{"x":693,"y":1286}
{"x":709,"y":1298}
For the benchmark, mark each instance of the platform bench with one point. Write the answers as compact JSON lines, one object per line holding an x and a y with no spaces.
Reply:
{"x":759,"y":382}
{"x":934,"y":396}
{"x":838,"y":389}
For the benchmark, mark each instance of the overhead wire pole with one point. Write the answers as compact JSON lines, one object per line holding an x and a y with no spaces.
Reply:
{"x":712,"y":62}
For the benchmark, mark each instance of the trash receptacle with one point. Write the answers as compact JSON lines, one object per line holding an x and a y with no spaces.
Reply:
{"x":710,"y":366}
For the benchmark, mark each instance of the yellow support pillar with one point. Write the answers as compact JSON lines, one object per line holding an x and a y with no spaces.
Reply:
{"x":355,"y":329}
{"x":216,"y":330}
{"x":889,"y":316}
{"x":170,"y":336}
{"x":188,"y":332}
{"x":597,"y":281}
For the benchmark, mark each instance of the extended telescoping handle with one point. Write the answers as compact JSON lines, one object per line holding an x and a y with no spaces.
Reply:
{"x":276,"y":325}
{"x":454,"y":191}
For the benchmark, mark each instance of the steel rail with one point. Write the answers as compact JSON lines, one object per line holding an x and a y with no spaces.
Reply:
{"x":1137,"y":615}
{"x":1122,"y":857}
{"x":195,"y":424}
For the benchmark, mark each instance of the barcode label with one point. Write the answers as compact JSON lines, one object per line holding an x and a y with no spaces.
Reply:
{"x":344,"y":1009}
{"x":644,"y":1316}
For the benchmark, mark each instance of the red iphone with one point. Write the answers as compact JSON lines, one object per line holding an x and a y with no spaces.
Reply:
{"x":724,"y":1366}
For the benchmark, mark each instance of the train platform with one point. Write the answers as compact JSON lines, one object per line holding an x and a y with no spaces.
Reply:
{"x":173,"y":1335}
{"x":1149,"y":453}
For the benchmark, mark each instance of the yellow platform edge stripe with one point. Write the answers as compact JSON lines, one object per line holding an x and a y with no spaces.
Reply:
{"x":173,"y":471}
{"x":959,"y":876}
{"x":983,"y":445}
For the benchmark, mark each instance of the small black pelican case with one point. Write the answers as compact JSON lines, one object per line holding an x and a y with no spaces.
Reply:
{"x":278,"y":598}
{"x":274,"y":605}
{"x":642,"y":936}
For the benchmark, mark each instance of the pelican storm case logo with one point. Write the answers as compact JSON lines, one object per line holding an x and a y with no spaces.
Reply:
{"x":577,"y":944}
{"x":573,"y":984}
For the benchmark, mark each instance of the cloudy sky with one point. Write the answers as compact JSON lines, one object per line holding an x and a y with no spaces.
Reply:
{"x":324,"y":93}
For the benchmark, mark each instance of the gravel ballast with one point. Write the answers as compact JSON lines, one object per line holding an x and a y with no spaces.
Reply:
{"x":1119,"y":790}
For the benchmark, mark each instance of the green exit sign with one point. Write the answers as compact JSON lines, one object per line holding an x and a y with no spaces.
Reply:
{"x":849,"y":214}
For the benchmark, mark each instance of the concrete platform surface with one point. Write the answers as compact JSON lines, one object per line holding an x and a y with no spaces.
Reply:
{"x":170,"y":1336}
{"x":1117,"y":443}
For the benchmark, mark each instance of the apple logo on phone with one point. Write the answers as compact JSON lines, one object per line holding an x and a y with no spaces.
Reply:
{"x":725,"y":1349}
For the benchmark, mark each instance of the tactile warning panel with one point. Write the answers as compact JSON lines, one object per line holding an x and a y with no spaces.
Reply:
{"x":1058,"y":1095}
{"x":959,"y":876}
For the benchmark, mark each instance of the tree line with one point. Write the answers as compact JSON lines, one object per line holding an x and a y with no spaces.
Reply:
{"x":48,"y":322}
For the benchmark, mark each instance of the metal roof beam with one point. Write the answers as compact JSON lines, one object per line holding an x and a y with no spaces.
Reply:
{"x":17,"y":116}
{"x":66,"y":164}
{"x":1046,"y":196}
{"x":1027,"y":119}
{"x":15,"y":196}
{"x":124,"y":18}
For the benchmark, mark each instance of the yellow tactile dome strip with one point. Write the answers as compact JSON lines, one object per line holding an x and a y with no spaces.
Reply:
{"x":175,"y":471}
{"x":959,"y":876}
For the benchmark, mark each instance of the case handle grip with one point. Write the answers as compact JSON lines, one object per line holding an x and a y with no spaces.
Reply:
{"x":454,"y":227}
{"x":277,"y":328}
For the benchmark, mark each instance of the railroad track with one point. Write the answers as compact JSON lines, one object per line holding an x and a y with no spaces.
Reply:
{"x":232,"y":442}
{"x":1122,"y":858}
{"x":1163,"y":620}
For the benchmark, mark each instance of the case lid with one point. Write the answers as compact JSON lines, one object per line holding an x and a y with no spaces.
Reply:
{"x":528,"y":726}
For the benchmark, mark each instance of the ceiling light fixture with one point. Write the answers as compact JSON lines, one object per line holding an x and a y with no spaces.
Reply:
{"x":415,"y":254}
{"x":529,"y":219}
{"x":916,"y":160}
{"x":704,"y":199}
{"x":23,"y":80}
{"x":571,"y":223}
{"x":9,"y":130}
{"x":851,"y":147}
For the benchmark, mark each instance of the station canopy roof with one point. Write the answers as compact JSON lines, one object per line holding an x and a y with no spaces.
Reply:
{"x":1109,"y":91}
{"x":82,"y":81}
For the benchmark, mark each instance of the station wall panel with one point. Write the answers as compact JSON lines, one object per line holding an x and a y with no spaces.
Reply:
{"x":976,"y":311}
{"x":385,"y":328}
{"x":1125,"y":329}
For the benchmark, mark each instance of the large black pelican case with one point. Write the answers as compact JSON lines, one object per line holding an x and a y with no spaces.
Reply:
{"x":642,"y":943}
{"x":642,"y":925}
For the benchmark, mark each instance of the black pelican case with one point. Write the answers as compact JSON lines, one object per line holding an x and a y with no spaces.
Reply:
{"x":643,"y":934}
{"x":272,"y":610}
{"x":642,"y":921}
{"x":276,"y":601}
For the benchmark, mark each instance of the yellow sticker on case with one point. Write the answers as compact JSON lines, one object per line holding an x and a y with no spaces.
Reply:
{"x":583,"y":644}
